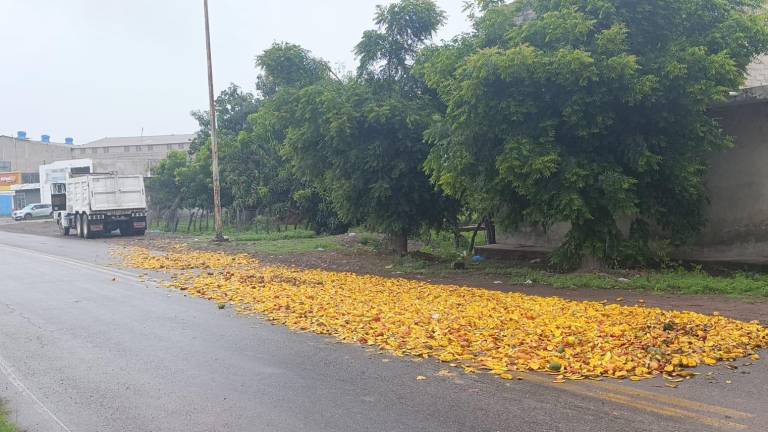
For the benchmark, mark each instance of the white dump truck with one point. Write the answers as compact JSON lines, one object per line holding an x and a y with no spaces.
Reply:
{"x":97,"y":204}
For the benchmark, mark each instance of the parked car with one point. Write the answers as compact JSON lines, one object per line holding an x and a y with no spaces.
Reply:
{"x":33,"y":211}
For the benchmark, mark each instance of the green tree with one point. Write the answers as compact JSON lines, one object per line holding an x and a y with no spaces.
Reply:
{"x":233,"y":106}
{"x":361,"y":140}
{"x":257,"y":173}
{"x":590,"y":111}
{"x":286,"y":65}
{"x":165,"y":189}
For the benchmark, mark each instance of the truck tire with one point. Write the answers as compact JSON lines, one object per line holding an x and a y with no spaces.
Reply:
{"x":139,"y":232}
{"x":79,"y":225}
{"x":64,"y":231}
{"x":126,"y":230}
{"x":87,"y":233}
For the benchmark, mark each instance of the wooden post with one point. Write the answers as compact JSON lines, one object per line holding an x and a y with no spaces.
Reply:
{"x":218,"y":225}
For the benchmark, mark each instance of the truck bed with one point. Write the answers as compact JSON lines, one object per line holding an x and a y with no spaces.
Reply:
{"x":104,"y":193}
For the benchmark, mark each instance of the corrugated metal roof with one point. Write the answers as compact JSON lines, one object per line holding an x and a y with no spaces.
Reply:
{"x":145,"y":140}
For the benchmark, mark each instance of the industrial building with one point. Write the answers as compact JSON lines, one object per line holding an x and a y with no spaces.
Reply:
{"x":22,"y":154}
{"x":25,"y":163}
{"x":20,"y":160}
{"x":131,"y":155}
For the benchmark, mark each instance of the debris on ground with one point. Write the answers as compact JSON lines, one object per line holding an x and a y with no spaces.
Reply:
{"x":471,"y":328}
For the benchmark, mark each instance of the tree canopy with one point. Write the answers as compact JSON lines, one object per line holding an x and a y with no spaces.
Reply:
{"x":590,"y":111}
{"x":593,"y":113}
{"x":362,"y":139}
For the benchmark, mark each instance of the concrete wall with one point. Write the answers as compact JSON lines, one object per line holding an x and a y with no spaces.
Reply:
{"x":738,"y":180}
{"x":28,"y":155}
{"x":757,"y":72}
{"x":128,"y":167}
{"x":130,"y":159}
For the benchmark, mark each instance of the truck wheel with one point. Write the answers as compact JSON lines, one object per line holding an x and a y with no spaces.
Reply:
{"x":79,"y":225}
{"x":87,"y":233}
{"x":126,"y":230}
{"x":138,"y":232}
{"x":64,"y":231}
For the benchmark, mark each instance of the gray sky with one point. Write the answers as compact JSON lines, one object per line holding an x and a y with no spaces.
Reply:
{"x":95,"y":68}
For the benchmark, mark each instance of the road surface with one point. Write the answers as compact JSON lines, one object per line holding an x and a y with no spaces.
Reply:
{"x":87,"y":346}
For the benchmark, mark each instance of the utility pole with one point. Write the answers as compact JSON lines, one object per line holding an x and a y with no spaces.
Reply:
{"x":214,"y":145}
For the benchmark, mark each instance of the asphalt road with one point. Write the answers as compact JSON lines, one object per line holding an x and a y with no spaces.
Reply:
{"x":86,"y":346}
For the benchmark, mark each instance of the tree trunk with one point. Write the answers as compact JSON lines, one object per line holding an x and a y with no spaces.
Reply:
{"x":490,"y":231}
{"x":171,"y":215}
{"x":398,"y":242}
{"x":191,"y":220}
{"x":471,"y":249}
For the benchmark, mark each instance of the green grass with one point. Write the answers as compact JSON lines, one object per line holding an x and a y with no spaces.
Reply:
{"x":293,"y":246}
{"x":678,"y":281}
{"x":411,"y":264}
{"x":256,"y":236}
{"x":442,"y":244}
{"x":5,"y":424}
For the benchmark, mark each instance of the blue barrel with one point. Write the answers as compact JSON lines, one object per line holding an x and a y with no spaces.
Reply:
{"x":22,"y":135}
{"x":69,"y":140}
{"x":46,"y":139}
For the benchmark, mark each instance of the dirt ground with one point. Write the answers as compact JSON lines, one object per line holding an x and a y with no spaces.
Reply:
{"x":360,"y":260}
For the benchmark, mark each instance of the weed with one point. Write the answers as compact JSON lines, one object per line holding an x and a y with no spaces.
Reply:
{"x":5,"y":424}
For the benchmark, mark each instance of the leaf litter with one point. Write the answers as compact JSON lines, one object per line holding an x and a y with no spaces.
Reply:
{"x":472,"y":328}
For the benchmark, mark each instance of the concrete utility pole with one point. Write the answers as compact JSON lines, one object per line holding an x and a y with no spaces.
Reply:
{"x":214,"y":145}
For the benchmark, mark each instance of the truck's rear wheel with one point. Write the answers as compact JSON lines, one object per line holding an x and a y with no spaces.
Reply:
{"x":139,"y":232}
{"x":126,"y":229}
{"x":79,"y":225}
{"x":87,"y":233}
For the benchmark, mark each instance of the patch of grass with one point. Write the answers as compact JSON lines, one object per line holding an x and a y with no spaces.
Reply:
{"x":410,"y":264}
{"x":251,"y":236}
{"x":442,"y":243}
{"x":370,"y":240}
{"x":293,"y":246}
{"x":678,"y":281}
{"x":5,"y":424}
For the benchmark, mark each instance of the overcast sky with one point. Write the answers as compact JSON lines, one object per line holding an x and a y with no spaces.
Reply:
{"x":95,"y":68}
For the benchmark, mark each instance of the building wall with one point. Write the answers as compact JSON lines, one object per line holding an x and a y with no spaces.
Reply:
{"x":6,"y":203}
{"x":129,"y":159}
{"x":738,"y":180}
{"x":757,"y":72}
{"x":28,"y":155}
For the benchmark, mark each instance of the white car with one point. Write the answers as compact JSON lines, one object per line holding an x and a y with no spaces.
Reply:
{"x":33,"y":211}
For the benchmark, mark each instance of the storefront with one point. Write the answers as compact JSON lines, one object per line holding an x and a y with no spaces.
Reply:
{"x":25,"y":194}
{"x":7,"y":180}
